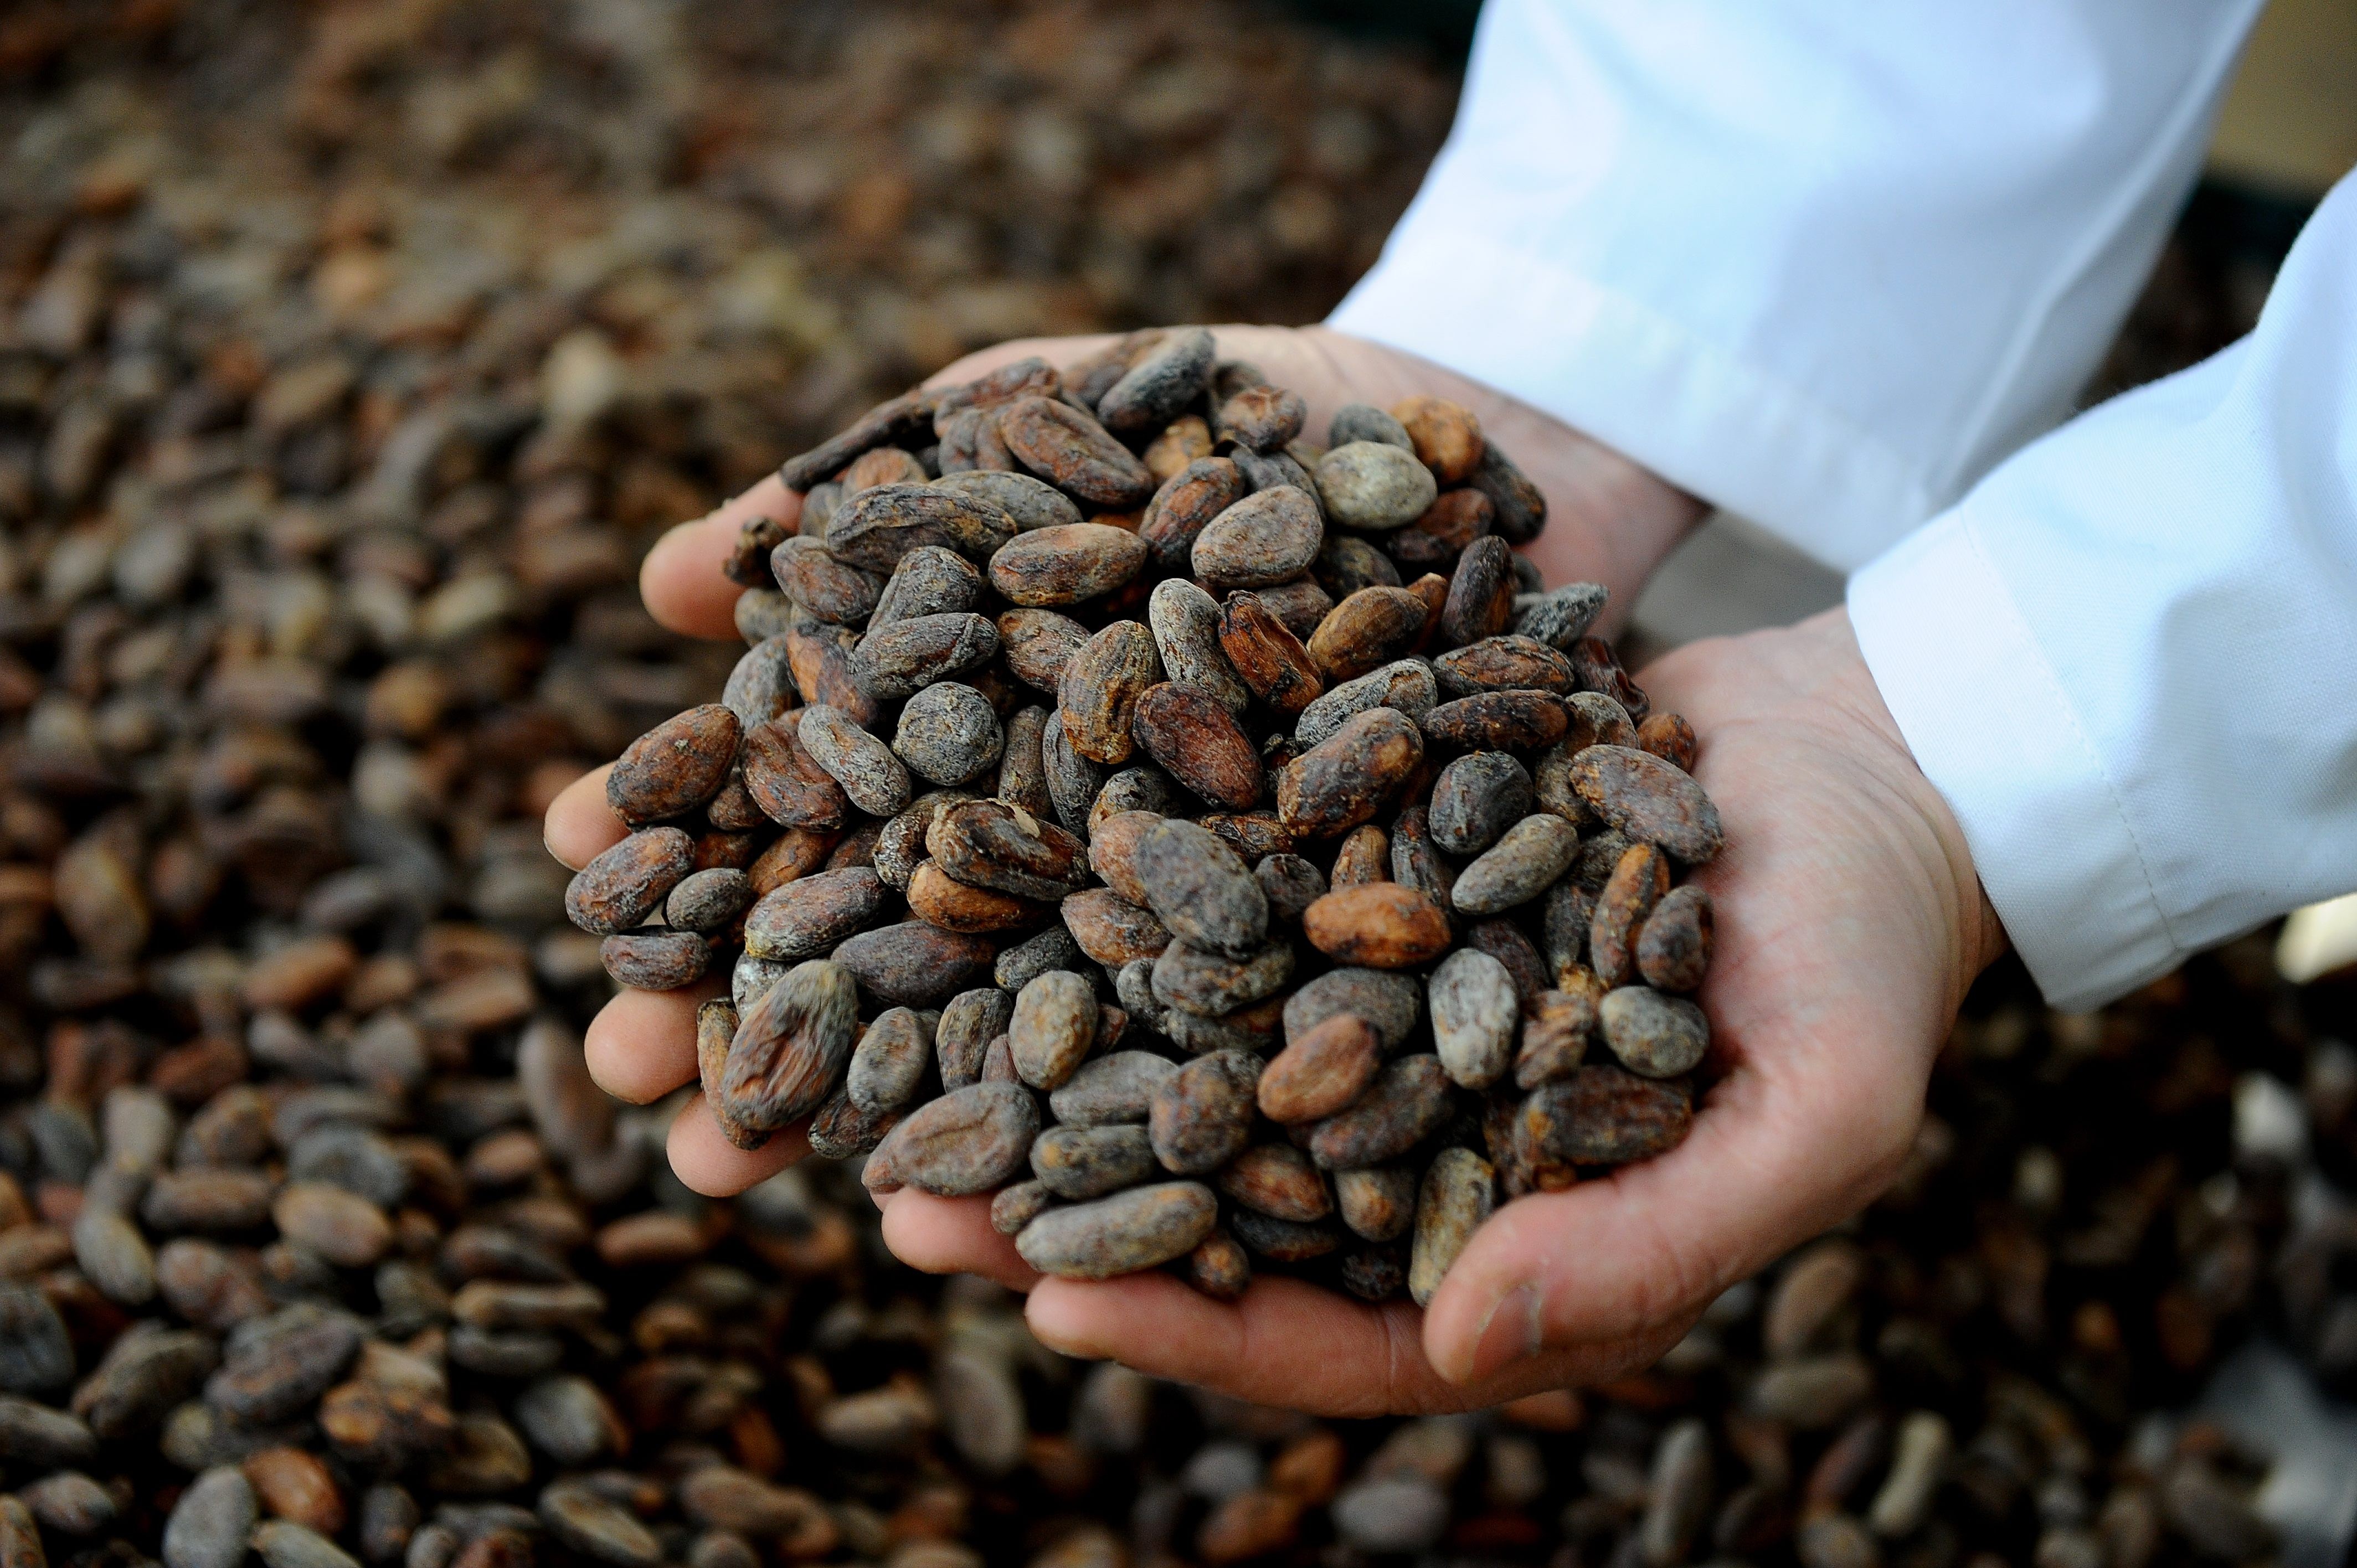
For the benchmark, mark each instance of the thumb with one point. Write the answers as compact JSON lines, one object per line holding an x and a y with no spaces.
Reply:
{"x":1775,"y":1156}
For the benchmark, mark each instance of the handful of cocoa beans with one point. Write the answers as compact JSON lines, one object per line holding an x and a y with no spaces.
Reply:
{"x":1219,"y":846}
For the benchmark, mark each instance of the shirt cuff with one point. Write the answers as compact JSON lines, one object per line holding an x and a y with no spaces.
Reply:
{"x":1642,"y":383}
{"x":1997,"y":735}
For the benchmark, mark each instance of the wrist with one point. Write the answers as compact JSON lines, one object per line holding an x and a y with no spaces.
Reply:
{"x":1850,"y":691}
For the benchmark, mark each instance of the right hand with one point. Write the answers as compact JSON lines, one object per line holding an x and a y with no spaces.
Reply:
{"x":1609,"y":520}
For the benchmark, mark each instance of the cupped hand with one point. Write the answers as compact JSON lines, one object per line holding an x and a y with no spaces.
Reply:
{"x":1609,"y":522}
{"x":1849,"y":924}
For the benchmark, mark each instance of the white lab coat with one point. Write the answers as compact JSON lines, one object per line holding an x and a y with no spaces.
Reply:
{"x":1841,"y":269}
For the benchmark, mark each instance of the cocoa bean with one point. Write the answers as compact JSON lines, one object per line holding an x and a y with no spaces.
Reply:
{"x":1140,"y":1229}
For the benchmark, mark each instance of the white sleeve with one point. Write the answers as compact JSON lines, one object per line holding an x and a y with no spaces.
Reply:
{"x":1822,"y":263}
{"x":2128,"y":658}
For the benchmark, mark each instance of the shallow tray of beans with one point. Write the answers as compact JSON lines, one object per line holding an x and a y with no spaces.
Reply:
{"x":1211,"y":842}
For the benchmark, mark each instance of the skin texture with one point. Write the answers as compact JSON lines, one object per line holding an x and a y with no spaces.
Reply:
{"x":1849,"y":924}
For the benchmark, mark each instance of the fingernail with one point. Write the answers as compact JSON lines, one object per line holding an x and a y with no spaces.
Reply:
{"x":1510,"y":1334}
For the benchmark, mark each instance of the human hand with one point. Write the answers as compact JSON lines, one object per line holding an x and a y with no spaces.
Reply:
{"x":1608,"y":521}
{"x":1849,"y":924}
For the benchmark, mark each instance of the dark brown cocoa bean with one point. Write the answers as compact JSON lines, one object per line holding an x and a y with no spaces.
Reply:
{"x":1604,"y":1116}
{"x":1111,"y":929}
{"x":1503,"y":664}
{"x":1124,"y":1234}
{"x":1066,"y":564}
{"x":1475,"y":798}
{"x":673,"y":767}
{"x":1073,"y":452}
{"x":820,"y":657}
{"x":1674,"y":946}
{"x":716,"y":1031}
{"x":969,"y":1022}
{"x":1098,"y":693}
{"x":1525,"y":862}
{"x":806,"y":918}
{"x":791,"y":1046}
{"x":1160,"y":383}
{"x":915,"y":964}
{"x":1267,"y":656}
{"x":875,"y":781}
{"x":1481,"y":593}
{"x":892,"y":661}
{"x":1638,"y":881}
{"x":1197,"y":887}
{"x":1365,"y":856}
{"x":709,"y":900}
{"x":1598,"y":669}
{"x":1080,"y":1163}
{"x":1669,"y":738}
{"x":1344,"y":779}
{"x":1037,"y":642}
{"x":1201,"y":1117}
{"x":1184,"y":506}
{"x":1497,"y":721}
{"x":969,"y":1141}
{"x":1031,"y":503}
{"x":790,"y":789}
{"x":1289,"y":885}
{"x":628,"y":882}
{"x":1372,"y":627}
{"x":1520,"y":507}
{"x":1347,"y":564}
{"x":1298,"y":606}
{"x":1459,"y":1190}
{"x":1408,"y":1102}
{"x":876,"y":528}
{"x":1191,"y":734}
{"x":1557,"y":1028}
{"x":910,"y":415}
{"x":1106,"y":1089}
{"x":1264,"y":418}
{"x":988,"y":844}
{"x":1211,"y":986}
{"x":655,"y":961}
{"x":1416,"y":860}
{"x":823,"y":585}
{"x":1018,"y":1206}
{"x":1263,"y":540}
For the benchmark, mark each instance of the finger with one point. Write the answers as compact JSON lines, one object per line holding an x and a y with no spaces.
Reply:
{"x":642,"y":1045}
{"x":579,"y":825}
{"x":1287,"y":1342}
{"x":1640,"y":1252}
{"x":681,"y":579}
{"x":706,"y":1161}
{"x":953,"y":1236}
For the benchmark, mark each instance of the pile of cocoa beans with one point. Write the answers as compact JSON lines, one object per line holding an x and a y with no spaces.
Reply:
{"x":1104,"y":818}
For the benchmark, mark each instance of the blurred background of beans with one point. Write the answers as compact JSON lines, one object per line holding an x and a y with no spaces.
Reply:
{"x":350,"y":357}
